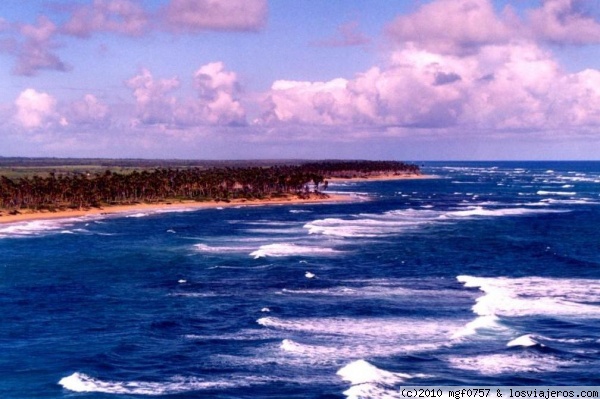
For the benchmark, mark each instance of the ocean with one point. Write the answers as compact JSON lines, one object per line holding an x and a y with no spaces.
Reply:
{"x":487,"y":274}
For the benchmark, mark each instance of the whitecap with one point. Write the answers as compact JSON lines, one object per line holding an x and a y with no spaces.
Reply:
{"x":514,"y":363}
{"x":361,"y":372}
{"x":543,"y":192}
{"x":80,"y":382}
{"x":219,"y":249}
{"x":481,"y":323}
{"x":284,"y":249}
{"x":369,"y":381}
{"x":526,"y":340}
{"x":479,"y":211}
{"x":39,"y":227}
{"x":527,"y":296}
{"x":346,"y":338}
{"x":138,"y":215}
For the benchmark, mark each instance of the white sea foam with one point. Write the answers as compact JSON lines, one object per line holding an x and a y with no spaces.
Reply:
{"x":285,"y":249}
{"x":361,"y":372}
{"x":346,"y":338}
{"x":514,"y":363}
{"x":481,"y":323}
{"x":294,"y":347}
{"x":394,"y":222}
{"x":138,"y":215}
{"x":526,"y":340}
{"x":220,"y":249}
{"x":79,"y":382}
{"x":39,"y":227}
{"x":369,"y":381}
{"x":479,"y":211}
{"x":580,"y":201}
{"x":528,"y":296}
{"x":570,"y":193}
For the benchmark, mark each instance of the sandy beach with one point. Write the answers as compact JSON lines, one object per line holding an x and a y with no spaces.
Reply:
{"x":27,"y":215}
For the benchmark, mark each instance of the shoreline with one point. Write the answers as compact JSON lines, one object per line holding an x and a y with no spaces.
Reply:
{"x":28,"y":216}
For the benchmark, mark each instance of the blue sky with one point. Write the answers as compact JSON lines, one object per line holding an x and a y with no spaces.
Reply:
{"x":209,"y":79}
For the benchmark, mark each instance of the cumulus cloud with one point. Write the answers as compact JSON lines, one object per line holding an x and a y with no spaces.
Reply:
{"x":218,"y":91}
{"x":458,"y":64}
{"x":118,"y":16}
{"x":88,"y":111}
{"x":201,"y":15}
{"x":564,"y":22}
{"x":510,"y":87}
{"x":155,"y":104}
{"x":34,"y":109}
{"x":217,"y":101}
{"x":464,"y":26}
{"x":34,"y":51}
{"x":453,"y":26}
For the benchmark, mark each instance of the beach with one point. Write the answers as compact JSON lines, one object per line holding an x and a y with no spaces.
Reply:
{"x":29,"y":215}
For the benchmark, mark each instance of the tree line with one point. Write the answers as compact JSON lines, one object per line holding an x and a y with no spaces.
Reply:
{"x":78,"y":191}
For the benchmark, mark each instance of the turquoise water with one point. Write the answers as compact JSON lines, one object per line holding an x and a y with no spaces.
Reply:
{"x":485,"y":275}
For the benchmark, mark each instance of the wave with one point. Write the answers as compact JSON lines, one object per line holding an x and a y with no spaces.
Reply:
{"x":570,"y":193}
{"x":280,"y":250}
{"x":369,"y":381}
{"x":39,"y":227}
{"x":527,"y":296}
{"x":580,"y":201}
{"x":398,"y":221}
{"x":80,"y":382}
{"x":139,"y":215}
{"x":291,"y":346}
{"x":346,"y":338}
{"x":220,"y":249}
{"x":479,"y":211}
{"x":514,"y":363}
{"x":526,"y":341}
{"x":481,"y":323}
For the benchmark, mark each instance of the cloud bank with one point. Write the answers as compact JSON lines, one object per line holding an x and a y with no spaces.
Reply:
{"x":449,"y":68}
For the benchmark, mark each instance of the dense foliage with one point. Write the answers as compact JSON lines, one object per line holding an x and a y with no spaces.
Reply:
{"x":165,"y":184}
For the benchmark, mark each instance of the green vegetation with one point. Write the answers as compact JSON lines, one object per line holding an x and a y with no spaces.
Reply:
{"x":79,"y":186}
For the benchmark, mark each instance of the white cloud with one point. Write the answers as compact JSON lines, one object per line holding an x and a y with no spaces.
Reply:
{"x":217,"y":101}
{"x":453,"y":26}
{"x":88,"y":111}
{"x":34,"y":52}
{"x":218,"y":91}
{"x":503,"y":87}
{"x":35,"y":109}
{"x":230,"y":15}
{"x":564,"y":22}
{"x":118,"y":16}
{"x":154,"y":103}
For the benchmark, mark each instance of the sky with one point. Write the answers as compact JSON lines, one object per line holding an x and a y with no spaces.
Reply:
{"x":336,"y":79}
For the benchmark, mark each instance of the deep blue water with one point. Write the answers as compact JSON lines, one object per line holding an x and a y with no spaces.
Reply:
{"x":486,"y":275}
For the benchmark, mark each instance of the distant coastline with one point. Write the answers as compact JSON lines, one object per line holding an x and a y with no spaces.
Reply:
{"x":28,"y":215}
{"x":75,"y":195}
